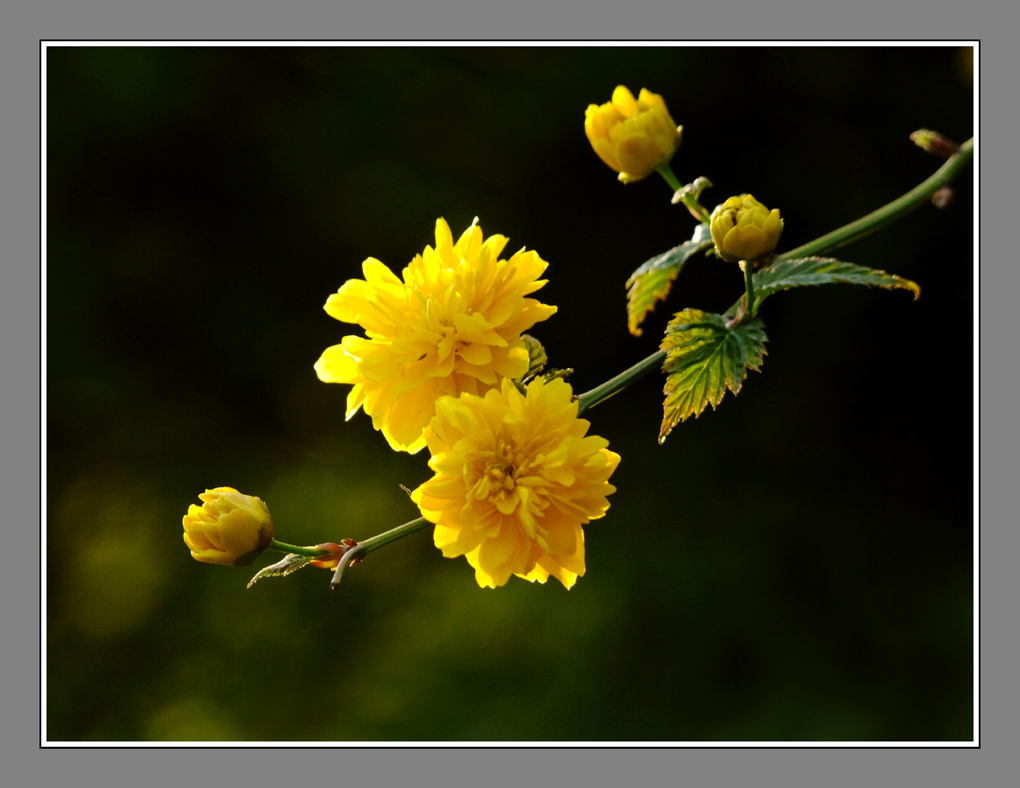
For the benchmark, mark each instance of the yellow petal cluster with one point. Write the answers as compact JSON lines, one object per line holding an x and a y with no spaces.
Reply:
{"x":452,"y":324}
{"x":744,"y":229}
{"x":516,"y":478}
{"x":229,"y":528}
{"x":633,"y":136}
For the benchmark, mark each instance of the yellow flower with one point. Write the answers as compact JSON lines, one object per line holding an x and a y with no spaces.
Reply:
{"x":744,"y":229}
{"x":452,"y":325}
{"x":633,"y":136}
{"x":515,"y":479}
{"x":229,"y":528}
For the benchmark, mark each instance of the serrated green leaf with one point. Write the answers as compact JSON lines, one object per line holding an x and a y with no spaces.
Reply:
{"x":705,"y":356}
{"x":653,"y":280}
{"x":536,"y":357}
{"x":812,"y":271}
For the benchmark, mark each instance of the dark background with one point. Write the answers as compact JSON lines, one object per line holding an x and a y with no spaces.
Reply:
{"x":794,"y":566}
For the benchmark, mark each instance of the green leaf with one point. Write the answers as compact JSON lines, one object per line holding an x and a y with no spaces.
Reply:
{"x":652,"y":281}
{"x":536,"y":357}
{"x":562,"y":374}
{"x":810,"y":271}
{"x":706,"y":355}
{"x":288,"y":564}
{"x":537,"y":360}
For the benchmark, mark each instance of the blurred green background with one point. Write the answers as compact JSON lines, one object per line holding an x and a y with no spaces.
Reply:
{"x":203,"y":203}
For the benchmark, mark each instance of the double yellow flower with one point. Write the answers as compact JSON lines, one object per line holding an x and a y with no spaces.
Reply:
{"x":451,"y":323}
{"x":516,"y":478}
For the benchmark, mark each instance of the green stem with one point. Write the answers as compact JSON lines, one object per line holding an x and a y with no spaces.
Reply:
{"x":692,"y":203}
{"x":667,"y":173}
{"x":749,"y":285}
{"x":620,"y":382}
{"x":890,"y":212}
{"x":283,"y":547}
{"x":369,"y":545}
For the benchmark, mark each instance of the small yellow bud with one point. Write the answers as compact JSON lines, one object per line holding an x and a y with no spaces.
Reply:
{"x":744,"y":229}
{"x":229,"y":528}
{"x":633,"y":136}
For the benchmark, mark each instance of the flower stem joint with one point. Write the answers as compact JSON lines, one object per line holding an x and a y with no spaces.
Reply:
{"x":744,"y":229}
{"x":230,"y":528}
{"x":336,"y":552}
{"x":632,"y":136}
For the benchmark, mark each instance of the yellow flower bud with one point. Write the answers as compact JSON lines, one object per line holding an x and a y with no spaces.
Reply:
{"x":229,"y":528}
{"x":633,"y":136}
{"x":744,"y":229}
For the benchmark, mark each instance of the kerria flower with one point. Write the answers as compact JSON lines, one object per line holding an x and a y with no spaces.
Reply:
{"x":516,"y":478}
{"x":228,"y":528}
{"x":451,"y":325}
{"x":631,"y":135}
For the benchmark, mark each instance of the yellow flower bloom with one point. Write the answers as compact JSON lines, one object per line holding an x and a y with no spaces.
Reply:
{"x":515,"y":479}
{"x":452,"y":325}
{"x":744,"y":229}
{"x":633,"y":136}
{"x":229,"y":528}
